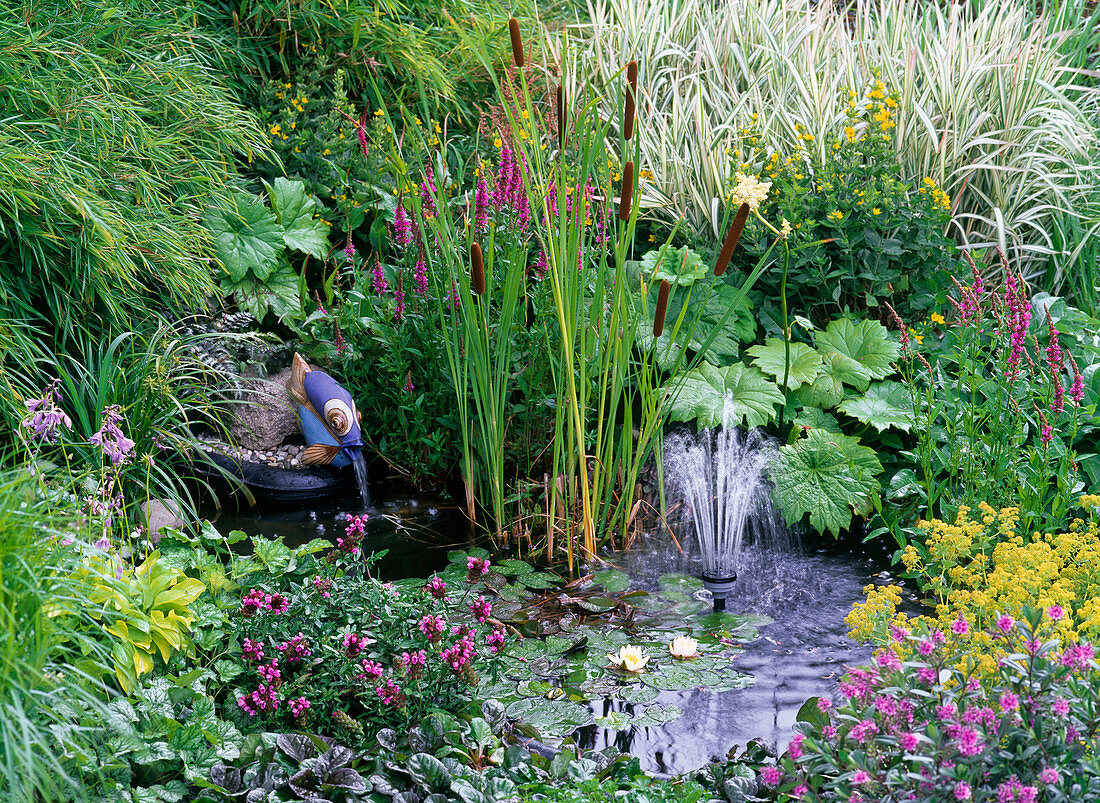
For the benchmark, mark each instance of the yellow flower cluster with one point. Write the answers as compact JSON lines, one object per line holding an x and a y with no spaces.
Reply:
{"x":979,"y":569}
{"x":939,"y":197}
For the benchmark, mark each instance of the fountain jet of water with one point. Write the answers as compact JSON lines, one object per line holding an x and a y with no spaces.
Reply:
{"x":719,"y":477}
{"x":360,"y":466}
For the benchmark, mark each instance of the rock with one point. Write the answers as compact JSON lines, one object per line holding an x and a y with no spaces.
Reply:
{"x":265,"y":416}
{"x":156,"y":514}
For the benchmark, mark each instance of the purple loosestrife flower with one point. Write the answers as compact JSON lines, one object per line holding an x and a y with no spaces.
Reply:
{"x":481,"y":206}
{"x":1018,"y":317}
{"x":399,"y":300}
{"x":427,"y":196}
{"x":1056,"y":361}
{"x":501,"y":190}
{"x":962,"y":791}
{"x":349,"y":250}
{"x":378,"y":278}
{"x":45,"y":417}
{"x":110,"y":438}
{"x":420,"y":275}
{"x":402,"y":227}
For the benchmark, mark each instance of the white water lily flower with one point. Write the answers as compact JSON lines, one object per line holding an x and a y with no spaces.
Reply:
{"x":684,"y":648}
{"x":629,"y":658}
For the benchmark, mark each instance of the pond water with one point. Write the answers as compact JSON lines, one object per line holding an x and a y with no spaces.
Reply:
{"x":801,"y":654}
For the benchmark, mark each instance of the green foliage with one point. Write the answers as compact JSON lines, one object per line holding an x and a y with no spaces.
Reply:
{"x":827,"y":475}
{"x":801,"y":367}
{"x":251,"y":242}
{"x":865,"y":341}
{"x":45,"y":660}
{"x":145,"y":608}
{"x":884,"y":405}
{"x":703,"y":393}
{"x":1012,"y":147}
{"x":109,"y":154}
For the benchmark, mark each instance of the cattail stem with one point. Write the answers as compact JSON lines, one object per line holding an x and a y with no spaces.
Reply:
{"x":562,"y":113}
{"x":662,"y":308}
{"x":732,"y":236}
{"x":477,"y":270}
{"x":626,"y":195}
{"x":631,"y":92}
{"x":517,"y":41}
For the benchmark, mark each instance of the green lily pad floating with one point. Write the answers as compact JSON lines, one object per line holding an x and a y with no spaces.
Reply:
{"x":538,"y":580}
{"x":615,"y":721}
{"x":658,"y":715}
{"x":613,"y":580}
{"x":511,"y":567}
{"x":678,"y":587}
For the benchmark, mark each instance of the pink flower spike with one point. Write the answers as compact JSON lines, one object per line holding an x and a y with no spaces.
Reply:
{"x":1055,"y":612}
{"x":1006,"y":623}
{"x":960,"y":627}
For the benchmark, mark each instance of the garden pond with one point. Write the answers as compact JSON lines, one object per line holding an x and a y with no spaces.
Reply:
{"x":781,"y":641}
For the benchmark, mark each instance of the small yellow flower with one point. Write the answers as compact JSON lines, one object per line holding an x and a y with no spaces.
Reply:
{"x":684,"y":648}
{"x":836,"y":214}
{"x":937,"y":318}
{"x":497,"y":142}
{"x":629,"y":658}
{"x":850,"y":133}
{"x":876,"y":211}
{"x":379,"y":113}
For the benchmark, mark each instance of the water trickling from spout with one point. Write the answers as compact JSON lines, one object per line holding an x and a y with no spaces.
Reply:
{"x":361,"y":476}
{"x":719,"y":478}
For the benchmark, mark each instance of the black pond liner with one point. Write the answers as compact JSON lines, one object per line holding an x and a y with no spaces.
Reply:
{"x":284,"y":487}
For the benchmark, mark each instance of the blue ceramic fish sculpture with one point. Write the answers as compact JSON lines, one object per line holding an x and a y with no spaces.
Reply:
{"x":326,"y":415}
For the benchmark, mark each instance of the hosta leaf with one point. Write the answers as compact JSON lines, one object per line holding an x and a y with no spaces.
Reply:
{"x":827,"y":388}
{"x":867,"y":342}
{"x":770,"y":357}
{"x":884,"y":405}
{"x":297,"y":213}
{"x":247,"y":238}
{"x":702,"y":393}
{"x":828,"y":475}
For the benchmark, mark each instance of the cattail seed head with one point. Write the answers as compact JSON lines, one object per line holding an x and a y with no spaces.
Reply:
{"x":477,"y":270}
{"x":631,"y":92}
{"x":732,"y":236}
{"x":626,"y":194}
{"x":517,"y":41}
{"x":662,"y":308}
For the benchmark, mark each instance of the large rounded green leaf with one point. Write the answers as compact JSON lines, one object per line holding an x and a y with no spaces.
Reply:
{"x":884,"y":405}
{"x":827,"y":475}
{"x":702,"y":393}
{"x":771,"y":356}
{"x":867,"y":342}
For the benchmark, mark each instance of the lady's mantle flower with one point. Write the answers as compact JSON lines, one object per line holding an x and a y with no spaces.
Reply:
{"x":629,"y":658}
{"x":684,"y":648}
{"x":749,"y":190}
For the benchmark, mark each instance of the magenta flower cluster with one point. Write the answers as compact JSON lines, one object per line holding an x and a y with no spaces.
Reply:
{"x":296,"y":649}
{"x":258,"y":600}
{"x":903,"y":733}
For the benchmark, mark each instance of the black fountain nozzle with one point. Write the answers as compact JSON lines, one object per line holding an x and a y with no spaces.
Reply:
{"x":719,"y":588}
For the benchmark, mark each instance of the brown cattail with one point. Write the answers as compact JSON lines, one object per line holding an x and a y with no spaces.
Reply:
{"x":631,"y":91}
{"x":562,"y":114}
{"x":517,"y":41}
{"x":477,"y":270}
{"x":732,"y":236}
{"x":627,"y":192}
{"x":662,"y":308}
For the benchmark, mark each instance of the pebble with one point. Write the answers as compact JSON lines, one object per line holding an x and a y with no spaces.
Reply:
{"x":282,"y":457}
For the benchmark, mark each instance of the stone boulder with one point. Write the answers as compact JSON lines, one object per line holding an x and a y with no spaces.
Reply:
{"x":265,"y":417}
